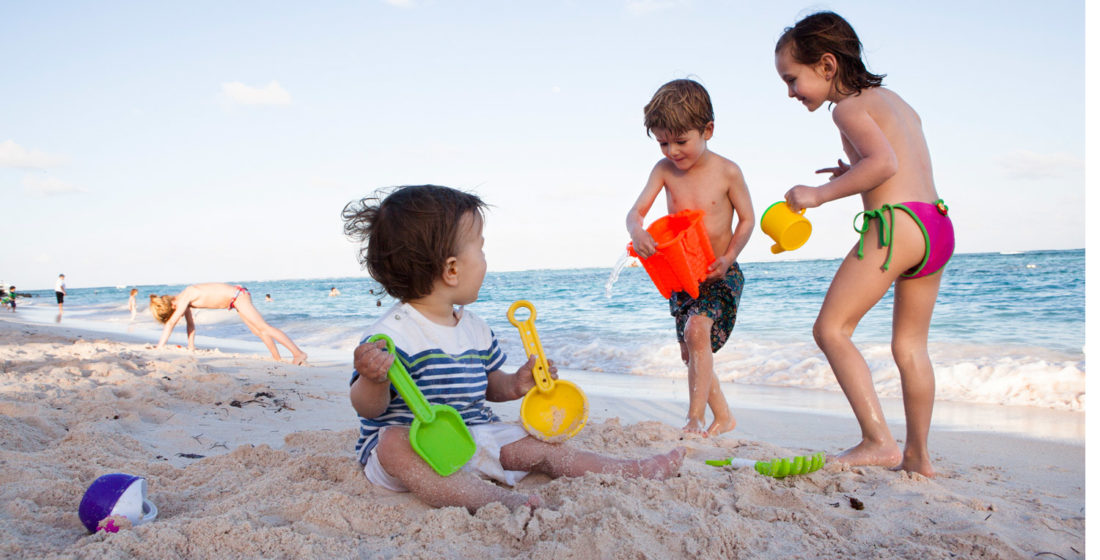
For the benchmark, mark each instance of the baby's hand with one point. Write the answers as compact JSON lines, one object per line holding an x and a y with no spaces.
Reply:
{"x":525,"y":375}
{"x":801,"y":196}
{"x":644,"y":244}
{"x":837,"y":171}
{"x":373,"y":362}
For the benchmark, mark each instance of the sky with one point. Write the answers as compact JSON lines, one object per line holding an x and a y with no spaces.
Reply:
{"x":178,"y":142}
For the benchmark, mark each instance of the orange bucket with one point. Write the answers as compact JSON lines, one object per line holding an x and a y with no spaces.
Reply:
{"x":683,"y":253}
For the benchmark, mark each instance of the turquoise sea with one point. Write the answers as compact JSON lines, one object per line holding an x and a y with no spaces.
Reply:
{"x":1008,"y":328}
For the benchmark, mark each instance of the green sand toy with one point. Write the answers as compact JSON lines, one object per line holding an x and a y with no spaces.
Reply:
{"x":438,"y":433}
{"x":777,"y":468}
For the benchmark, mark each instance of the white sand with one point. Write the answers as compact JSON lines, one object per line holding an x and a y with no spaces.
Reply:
{"x":278,"y":478}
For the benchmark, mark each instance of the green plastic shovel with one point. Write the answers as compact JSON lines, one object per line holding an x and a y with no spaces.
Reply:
{"x":777,"y":468}
{"x":438,"y":433}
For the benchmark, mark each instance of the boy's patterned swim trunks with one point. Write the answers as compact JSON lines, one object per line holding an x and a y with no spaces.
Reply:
{"x":718,"y":299}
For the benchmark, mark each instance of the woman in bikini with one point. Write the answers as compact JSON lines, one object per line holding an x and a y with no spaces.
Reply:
{"x":217,"y":295}
{"x":905,"y":239}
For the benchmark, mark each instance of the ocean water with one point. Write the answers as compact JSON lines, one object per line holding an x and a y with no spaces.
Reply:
{"x":1008,"y":328}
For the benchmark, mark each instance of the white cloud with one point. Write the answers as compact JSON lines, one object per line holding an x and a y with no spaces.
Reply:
{"x":14,"y":155}
{"x":48,"y":186}
{"x":1024,"y":164}
{"x":271,"y":94}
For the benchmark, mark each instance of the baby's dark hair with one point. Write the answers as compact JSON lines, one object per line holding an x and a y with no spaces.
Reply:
{"x":827,"y":32}
{"x":406,"y":234}
{"x":679,"y":106}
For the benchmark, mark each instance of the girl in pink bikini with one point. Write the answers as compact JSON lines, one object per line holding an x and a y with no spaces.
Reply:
{"x":216,"y":295}
{"x":905,"y":236}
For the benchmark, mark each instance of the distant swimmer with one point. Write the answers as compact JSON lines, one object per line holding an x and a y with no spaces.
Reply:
{"x":333,"y":292}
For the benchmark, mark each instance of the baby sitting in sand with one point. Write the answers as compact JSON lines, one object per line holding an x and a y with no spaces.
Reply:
{"x":424,"y":245}
{"x":218,"y":295}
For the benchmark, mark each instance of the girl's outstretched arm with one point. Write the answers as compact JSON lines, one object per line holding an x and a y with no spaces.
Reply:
{"x":873,"y":159}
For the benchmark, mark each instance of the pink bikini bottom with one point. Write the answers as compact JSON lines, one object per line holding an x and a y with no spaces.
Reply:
{"x":939,"y":234}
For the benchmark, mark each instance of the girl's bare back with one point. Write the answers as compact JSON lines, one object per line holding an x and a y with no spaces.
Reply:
{"x":902,"y":127}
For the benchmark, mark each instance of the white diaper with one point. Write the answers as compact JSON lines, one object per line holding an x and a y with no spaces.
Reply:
{"x":485,"y":463}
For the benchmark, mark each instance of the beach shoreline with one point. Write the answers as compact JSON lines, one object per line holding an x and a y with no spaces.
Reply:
{"x":273,"y":475}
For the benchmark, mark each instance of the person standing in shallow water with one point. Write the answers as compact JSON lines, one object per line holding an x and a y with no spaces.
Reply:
{"x":820,"y":60}
{"x":59,"y":292}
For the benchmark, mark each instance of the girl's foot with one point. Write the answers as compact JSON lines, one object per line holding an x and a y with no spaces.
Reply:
{"x":918,"y":464}
{"x":886,"y":454}
{"x":299,"y":359}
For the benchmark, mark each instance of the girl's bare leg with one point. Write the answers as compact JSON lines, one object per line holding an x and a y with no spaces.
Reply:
{"x":856,"y":288}
{"x":267,"y":333}
{"x":914,"y":300}
{"x":462,"y":489}
{"x":557,"y":459}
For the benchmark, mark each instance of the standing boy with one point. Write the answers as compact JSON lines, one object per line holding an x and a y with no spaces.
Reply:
{"x":681,"y":118}
{"x":59,"y":291}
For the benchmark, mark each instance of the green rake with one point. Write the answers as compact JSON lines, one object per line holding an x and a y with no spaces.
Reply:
{"x":777,"y":468}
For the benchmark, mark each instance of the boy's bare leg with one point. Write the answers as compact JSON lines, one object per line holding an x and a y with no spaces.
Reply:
{"x":462,"y":489}
{"x":858,"y":286}
{"x":703,"y":385}
{"x":914,"y":301}
{"x":557,"y":459}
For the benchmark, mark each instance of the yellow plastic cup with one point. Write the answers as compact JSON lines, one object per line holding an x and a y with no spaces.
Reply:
{"x":789,"y":229}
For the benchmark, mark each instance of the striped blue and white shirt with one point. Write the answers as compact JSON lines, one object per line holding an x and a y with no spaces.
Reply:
{"x":450,"y":365}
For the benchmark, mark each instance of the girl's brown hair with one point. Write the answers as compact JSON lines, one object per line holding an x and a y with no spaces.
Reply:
{"x":406,"y":234}
{"x":827,"y":32}
{"x":161,"y":307}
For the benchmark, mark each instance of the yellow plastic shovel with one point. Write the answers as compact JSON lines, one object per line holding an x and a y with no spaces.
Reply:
{"x":438,"y":433}
{"x":553,"y":410}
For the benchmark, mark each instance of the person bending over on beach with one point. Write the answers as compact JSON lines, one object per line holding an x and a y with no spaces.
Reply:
{"x":905,"y":239}
{"x":423,"y":244}
{"x":216,"y":295}
{"x":681,"y":117}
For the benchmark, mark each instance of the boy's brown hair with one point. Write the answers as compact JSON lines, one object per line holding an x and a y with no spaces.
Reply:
{"x":161,"y":307}
{"x":406,"y":234}
{"x":679,"y":106}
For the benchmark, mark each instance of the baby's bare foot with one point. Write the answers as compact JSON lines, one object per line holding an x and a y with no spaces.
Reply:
{"x":886,"y":454}
{"x":660,"y":467}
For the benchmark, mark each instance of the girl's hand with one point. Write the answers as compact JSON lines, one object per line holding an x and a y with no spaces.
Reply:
{"x":837,"y":171}
{"x":801,"y":196}
{"x":525,"y":376}
{"x":373,"y":362}
{"x":719,"y":267}
{"x":644,"y":244}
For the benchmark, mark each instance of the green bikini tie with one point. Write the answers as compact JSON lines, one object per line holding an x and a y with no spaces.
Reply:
{"x":885,"y":233}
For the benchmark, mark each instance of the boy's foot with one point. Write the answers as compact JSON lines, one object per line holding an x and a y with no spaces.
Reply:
{"x":300,"y":359}
{"x":870,"y":454}
{"x":694,"y":427}
{"x":718,"y":428}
